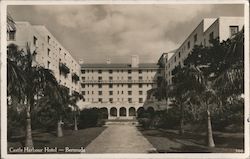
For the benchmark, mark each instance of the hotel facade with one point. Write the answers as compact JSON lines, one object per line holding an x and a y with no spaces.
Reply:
{"x":208,"y":29}
{"x":122,"y":89}
{"x":49,"y":53}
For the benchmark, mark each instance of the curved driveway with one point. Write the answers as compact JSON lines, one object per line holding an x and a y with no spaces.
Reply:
{"x":120,"y":139}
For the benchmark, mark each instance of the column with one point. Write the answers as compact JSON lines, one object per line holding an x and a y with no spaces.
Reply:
{"x":109,"y":113}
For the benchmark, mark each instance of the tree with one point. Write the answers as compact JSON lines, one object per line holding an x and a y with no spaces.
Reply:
{"x":75,"y":97}
{"x":180,"y":90}
{"x":33,"y":80}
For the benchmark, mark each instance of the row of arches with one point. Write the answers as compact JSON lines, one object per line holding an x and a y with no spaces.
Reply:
{"x":124,"y":112}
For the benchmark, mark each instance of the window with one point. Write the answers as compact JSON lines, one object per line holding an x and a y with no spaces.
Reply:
{"x":48,"y":65}
{"x":130,"y":100}
{"x":175,"y":59}
{"x":83,"y":85}
{"x":140,"y":71}
{"x":129,"y":92}
{"x":92,"y":92}
{"x":179,"y":54}
{"x":233,"y":30}
{"x":140,"y":78}
{"x":110,"y":71}
{"x":83,"y":71}
{"x":140,"y":100}
{"x":129,"y":78}
{"x":99,"y":71}
{"x":110,"y":85}
{"x":110,"y":92}
{"x":60,"y":50}
{"x":99,"y":92}
{"x":140,"y":85}
{"x":35,"y":41}
{"x":83,"y":92}
{"x":195,"y":38}
{"x":111,"y":100}
{"x":189,"y":45}
{"x":12,"y":35}
{"x":99,"y":79}
{"x":140,"y":92}
{"x":129,"y":71}
{"x":48,"y":52}
{"x":117,"y":92}
{"x":211,"y":36}
{"x":110,"y":78}
{"x":100,"y":99}
{"x":99,"y":85}
{"x":129,"y":85}
{"x":122,"y":92}
{"x":48,"y":39}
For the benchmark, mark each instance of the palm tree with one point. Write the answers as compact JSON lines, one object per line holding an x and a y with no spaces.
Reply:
{"x":31,"y":81}
{"x":231,"y":80}
{"x":203,"y":93}
{"x":75,"y":97}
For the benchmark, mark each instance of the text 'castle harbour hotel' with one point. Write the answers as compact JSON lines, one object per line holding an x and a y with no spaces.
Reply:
{"x":121,"y":89}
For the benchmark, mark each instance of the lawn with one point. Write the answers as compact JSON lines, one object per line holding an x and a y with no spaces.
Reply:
{"x":71,"y":138}
{"x":170,"y":141}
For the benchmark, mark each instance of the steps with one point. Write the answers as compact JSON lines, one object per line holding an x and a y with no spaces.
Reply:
{"x":122,"y":122}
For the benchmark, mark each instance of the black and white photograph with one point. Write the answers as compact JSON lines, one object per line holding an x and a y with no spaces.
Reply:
{"x":124,"y":79}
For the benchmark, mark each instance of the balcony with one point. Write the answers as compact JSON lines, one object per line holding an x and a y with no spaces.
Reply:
{"x":118,"y":81}
{"x":75,"y":77}
{"x":63,"y":68}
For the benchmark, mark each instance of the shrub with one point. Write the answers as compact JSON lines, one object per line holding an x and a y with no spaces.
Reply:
{"x":91,"y":118}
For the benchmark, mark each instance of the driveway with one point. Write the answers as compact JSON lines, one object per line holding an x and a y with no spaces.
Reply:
{"x":120,"y":139}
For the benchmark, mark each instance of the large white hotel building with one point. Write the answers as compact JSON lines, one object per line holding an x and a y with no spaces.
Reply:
{"x":121,"y":89}
{"x":49,"y":53}
{"x":208,"y":29}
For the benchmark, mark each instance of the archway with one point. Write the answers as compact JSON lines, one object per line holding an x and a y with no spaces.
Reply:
{"x":113,"y":111}
{"x":132,"y":111}
{"x":140,"y":112}
{"x":122,"y":111}
{"x":104,"y":113}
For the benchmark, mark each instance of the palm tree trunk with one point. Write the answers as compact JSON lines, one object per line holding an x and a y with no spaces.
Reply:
{"x":28,"y":139}
{"x":181,"y":130}
{"x":75,"y":120}
{"x":59,"y":127}
{"x":210,"y":140}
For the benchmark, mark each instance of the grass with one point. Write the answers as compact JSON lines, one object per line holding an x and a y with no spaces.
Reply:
{"x":167,"y":141}
{"x":71,"y":138}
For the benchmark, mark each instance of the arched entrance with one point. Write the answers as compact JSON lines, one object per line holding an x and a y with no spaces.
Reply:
{"x":104,"y":113}
{"x":122,"y":111}
{"x":140,"y":112}
{"x":113,"y":111}
{"x":132,"y":111}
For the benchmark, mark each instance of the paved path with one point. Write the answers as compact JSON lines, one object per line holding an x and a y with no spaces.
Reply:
{"x":120,"y":139}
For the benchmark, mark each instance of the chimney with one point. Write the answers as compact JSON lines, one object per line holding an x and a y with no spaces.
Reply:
{"x":108,"y":61}
{"x":81,"y":61}
{"x":135,"y":61}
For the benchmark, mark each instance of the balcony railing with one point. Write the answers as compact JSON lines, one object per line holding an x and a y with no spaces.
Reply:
{"x":75,"y":77}
{"x":63,"y":68}
{"x":118,"y":81}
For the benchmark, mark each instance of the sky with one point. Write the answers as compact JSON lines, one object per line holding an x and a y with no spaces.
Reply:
{"x":94,"y":33}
